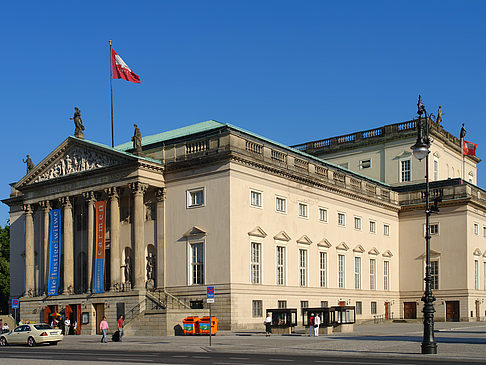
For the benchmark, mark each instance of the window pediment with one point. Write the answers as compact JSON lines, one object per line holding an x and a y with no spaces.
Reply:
{"x":373,"y":251}
{"x":257,"y":232}
{"x":359,"y":249}
{"x":304,"y":240}
{"x":282,"y":236}
{"x":477,"y":252}
{"x":433,"y":254}
{"x":342,"y":246}
{"x":195,"y":232}
{"x":387,"y":253}
{"x":324,"y":243}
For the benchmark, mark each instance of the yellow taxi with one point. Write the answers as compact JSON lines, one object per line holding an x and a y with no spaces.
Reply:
{"x":32,"y":334}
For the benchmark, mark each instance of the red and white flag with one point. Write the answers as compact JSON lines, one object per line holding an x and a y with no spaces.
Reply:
{"x":469,"y":148}
{"x":121,"y":70}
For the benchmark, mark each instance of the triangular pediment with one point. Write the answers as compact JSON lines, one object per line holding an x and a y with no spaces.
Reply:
{"x":74,"y":156}
{"x":387,"y":253}
{"x":324,"y":243}
{"x":304,"y":240}
{"x":404,"y":154}
{"x":282,"y":236}
{"x":433,"y":254}
{"x":195,"y":232}
{"x":257,"y":232}
{"x":359,"y":249}
{"x":477,"y":252}
{"x":342,"y":246}
{"x":373,"y":251}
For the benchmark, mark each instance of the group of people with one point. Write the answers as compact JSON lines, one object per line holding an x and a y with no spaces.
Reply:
{"x":66,"y":326}
{"x":104,"y":328}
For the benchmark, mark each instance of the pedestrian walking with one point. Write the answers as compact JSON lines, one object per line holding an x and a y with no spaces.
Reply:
{"x":104,"y":328}
{"x":317,"y":322}
{"x":120,"y":326}
{"x":67,"y":326}
{"x":268,"y":325}
{"x":311,"y":325}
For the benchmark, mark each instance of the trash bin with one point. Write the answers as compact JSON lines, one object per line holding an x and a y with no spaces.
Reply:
{"x":190,"y":325}
{"x":204,"y":325}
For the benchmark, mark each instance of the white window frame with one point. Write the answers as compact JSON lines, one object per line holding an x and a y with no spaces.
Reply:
{"x":191,"y":264}
{"x":402,"y":171}
{"x":343,"y":223}
{"x":323,"y":269}
{"x":341,"y":271}
{"x":323,"y":215}
{"x":432,"y":286}
{"x":433,"y":233}
{"x":256,"y":265}
{"x":357,"y":220}
{"x":277,"y":198}
{"x":303,"y":267}
{"x":189,"y":195}
{"x":305,"y":210}
{"x":282,"y":266}
{"x":357,"y":272}
{"x":476,"y":274}
{"x":259,"y":201}
{"x":386,"y":229}
{"x":362,"y":163}
{"x":373,"y":308}
{"x":484,"y":231}
{"x":359,"y":308}
{"x":476,"y":229}
{"x":436,"y":169}
{"x":372,"y":226}
{"x":372,"y":274}
{"x":386,"y":275}
{"x":257,"y":308}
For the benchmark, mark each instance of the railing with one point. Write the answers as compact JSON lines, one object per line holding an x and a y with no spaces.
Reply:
{"x":135,"y":311}
{"x":380,"y":318}
{"x":322,"y":171}
{"x":279,"y":156}
{"x":339,"y":179}
{"x":372,"y":133}
{"x":355,"y":183}
{"x":301,"y":164}
{"x":198,"y":146}
{"x":254,"y":147}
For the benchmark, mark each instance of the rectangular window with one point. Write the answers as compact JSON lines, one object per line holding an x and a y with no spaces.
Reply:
{"x":280,"y":204}
{"x":386,"y":275}
{"x":357,"y":223}
{"x":341,"y":219}
{"x":341,"y":268}
{"x":357,"y":272}
{"x":434,"y":272}
{"x":256,"y":262}
{"x":324,"y":304}
{"x":281,"y":265}
{"x":434,"y":228}
{"x":436,"y":170}
{"x":372,"y":227}
{"x":373,"y":307}
{"x":405,"y":170}
{"x":282,"y":304}
{"x":256,"y":199}
{"x":197,"y":263}
{"x":304,"y":304}
{"x":323,"y":215}
{"x":195,"y":198}
{"x":365,"y":164}
{"x":303,"y":267}
{"x":372,"y":274}
{"x":386,"y":229}
{"x":484,"y":231}
{"x":476,"y":274}
{"x":476,"y":229}
{"x":303,"y":210}
{"x":359,"y":308}
{"x":323,"y":269}
{"x":257,"y":308}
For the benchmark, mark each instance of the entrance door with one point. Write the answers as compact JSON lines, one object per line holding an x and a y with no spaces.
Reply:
{"x":387,"y":310}
{"x":75,"y":318}
{"x":478,"y":315}
{"x":452,"y":311}
{"x":100,"y":312}
{"x":410,"y":310}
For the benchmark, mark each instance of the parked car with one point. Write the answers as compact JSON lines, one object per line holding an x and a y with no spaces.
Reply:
{"x":32,"y":334}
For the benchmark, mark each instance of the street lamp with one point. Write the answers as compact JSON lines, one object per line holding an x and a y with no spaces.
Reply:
{"x":421,"y":151}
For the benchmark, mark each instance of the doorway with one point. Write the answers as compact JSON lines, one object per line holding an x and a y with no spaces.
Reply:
{"x":410,"y":310}
{"x":452,"y":311}
{"x":387,"y":310}
{"x":100,"y":313}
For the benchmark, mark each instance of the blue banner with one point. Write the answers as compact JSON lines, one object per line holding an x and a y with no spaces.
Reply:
{"x":54,"y":252}
{"x":99,"y":264}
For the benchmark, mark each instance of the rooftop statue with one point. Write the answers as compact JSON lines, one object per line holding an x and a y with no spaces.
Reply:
{"x":30,"y":164}
{"x":78,"y":123}
{"x":137,"y":141}
{"x":439,"y":115}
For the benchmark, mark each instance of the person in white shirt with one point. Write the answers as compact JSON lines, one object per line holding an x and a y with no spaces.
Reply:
{"x":317,"y":322}
{"x":268,"y":325}
{"x":5,"y":328}
{"x":67,"y":326}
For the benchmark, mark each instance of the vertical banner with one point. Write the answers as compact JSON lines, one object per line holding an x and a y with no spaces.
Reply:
{"x":54,"y":252}
{"x":99,"y":264}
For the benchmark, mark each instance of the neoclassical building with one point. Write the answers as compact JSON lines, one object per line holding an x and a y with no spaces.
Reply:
{"x":268,"y":225}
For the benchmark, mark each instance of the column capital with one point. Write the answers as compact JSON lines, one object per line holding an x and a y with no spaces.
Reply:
{"x":138,"y":188}
{"x":113,"y":192}
{"x":66,"y":202}
{"x":160,"y":194}
{"x":89,"y":196}
{"x":46,"y":204}
{"x":28,"y":209}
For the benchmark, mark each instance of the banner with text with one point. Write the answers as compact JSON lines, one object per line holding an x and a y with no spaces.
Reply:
{"x":54,"y":253}
{"x":99,"y":264}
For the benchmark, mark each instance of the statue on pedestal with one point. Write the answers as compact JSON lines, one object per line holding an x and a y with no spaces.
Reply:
{"x":30,"y":164}
{"x":128,"y":269}
{"x":150,"y":270}
{"x":78,"y":123}
{"x":439,"y":115}
{"x":137,"y":141}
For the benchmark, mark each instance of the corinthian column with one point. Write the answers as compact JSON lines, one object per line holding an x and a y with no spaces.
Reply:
{"x":46,"y":207}
{"x":160,"y":229}
{"x":138,"y":190}
{"x":29,"y":250}
{"x":67,"y":216}
{"x":90,"y":198}
{"x":115,"y":265}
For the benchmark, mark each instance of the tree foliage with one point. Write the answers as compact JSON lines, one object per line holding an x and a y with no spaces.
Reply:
{"x":4,"y":268}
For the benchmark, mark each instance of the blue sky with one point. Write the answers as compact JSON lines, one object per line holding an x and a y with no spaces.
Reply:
{"x":292,"y":71}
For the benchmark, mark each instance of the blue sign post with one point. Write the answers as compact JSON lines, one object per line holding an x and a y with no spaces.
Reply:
{"x":210,"y":299}
{"x":15,"y":305}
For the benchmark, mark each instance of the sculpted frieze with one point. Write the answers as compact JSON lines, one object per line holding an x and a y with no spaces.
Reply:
{"x":77,"y":160}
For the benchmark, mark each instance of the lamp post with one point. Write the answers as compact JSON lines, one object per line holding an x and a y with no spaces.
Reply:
{"x":421,"y":151}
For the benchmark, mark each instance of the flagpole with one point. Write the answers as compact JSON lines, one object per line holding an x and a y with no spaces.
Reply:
{"x":111,"y":92}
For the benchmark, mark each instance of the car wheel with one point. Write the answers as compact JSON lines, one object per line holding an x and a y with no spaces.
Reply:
{"x":31,"y":342}
{"x":3,"y":341}
{"x":54,"y":343}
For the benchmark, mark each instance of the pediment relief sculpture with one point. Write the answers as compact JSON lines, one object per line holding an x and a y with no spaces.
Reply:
{"x":304,"y":240}
{"x":282,"y":236}
{"x":257,"y":232}
{"x":76,"y":160}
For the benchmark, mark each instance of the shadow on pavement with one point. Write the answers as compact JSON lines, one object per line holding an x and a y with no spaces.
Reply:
{"x":468,"y":340}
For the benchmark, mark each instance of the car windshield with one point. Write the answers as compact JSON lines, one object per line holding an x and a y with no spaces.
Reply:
{"x":43,"y":326}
